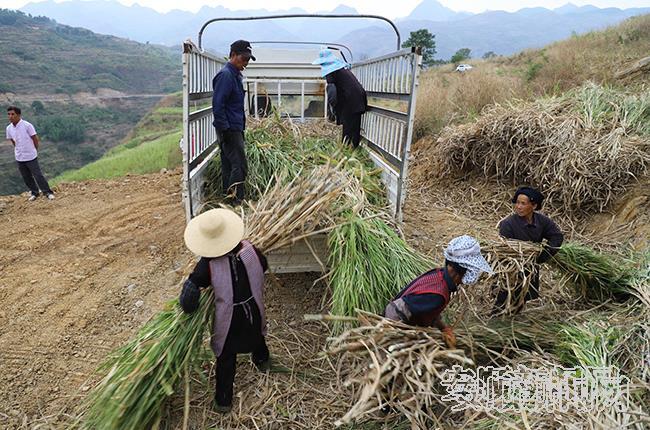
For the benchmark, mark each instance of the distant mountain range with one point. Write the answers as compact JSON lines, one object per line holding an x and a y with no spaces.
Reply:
{"x":502,"y":32}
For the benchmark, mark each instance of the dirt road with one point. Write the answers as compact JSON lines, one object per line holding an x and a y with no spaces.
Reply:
{"x":81,"y":274}
{"x":78,"y":275}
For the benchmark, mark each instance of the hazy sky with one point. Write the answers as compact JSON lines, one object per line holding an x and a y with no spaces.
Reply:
{"x":388,"y":8}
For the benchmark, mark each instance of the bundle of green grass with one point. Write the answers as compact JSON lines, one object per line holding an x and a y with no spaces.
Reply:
{"x":596,"y":276}
{"x":370,"y":264}
{"x":273,"y":147}
{"x":140,"y":376}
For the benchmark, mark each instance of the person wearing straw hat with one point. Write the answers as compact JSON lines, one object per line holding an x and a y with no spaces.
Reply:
{"x":527,"y":224}
{"x":230,"y":119}
{"x":345,"y":95}
{"x":235,"y":269}
{"x":422,"y":301}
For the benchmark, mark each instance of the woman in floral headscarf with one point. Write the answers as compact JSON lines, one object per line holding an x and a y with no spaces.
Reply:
{"x":422,"y":301}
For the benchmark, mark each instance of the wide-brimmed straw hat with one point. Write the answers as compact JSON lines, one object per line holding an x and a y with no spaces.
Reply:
{"x":214,"y":233}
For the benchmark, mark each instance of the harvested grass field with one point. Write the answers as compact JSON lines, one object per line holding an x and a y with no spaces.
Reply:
{"x":447,"y":97}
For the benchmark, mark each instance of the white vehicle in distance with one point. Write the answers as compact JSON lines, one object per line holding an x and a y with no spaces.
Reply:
{"x":463,"y":67}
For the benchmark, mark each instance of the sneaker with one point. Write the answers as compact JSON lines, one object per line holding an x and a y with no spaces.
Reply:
{"x":50,"y":196}
{"x":32,"y":198}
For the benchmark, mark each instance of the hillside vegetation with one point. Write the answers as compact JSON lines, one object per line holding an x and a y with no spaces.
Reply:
{"x":152,"y":145}
{"x":447,"y":97}
{"x":42,"y":56}
{"x":72,"y":134}
{"x":82,"y":91}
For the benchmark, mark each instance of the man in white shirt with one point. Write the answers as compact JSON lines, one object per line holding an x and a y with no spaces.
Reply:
{"x":25,"y":140}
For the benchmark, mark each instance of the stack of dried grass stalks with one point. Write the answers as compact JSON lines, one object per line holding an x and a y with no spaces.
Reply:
{"x":389,"y":363}
{"x":582,"y":148}
{"x":514,"y":266}
{"x":393,"y":366}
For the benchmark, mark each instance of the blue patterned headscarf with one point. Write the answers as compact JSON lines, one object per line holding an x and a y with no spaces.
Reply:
{"x":466,"y":251}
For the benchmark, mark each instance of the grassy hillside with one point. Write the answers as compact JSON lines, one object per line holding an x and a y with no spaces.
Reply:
{"x":152,"y":145}
{"x":41,"y":56}
{"x":70,"y":84}
{"x":72,"y":134}
{"x":448,"y":97}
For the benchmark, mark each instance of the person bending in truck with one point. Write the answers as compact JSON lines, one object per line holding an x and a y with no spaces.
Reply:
{"x":235,"y":269}
{"x":346,"y":98}
{"x":422,"y":301}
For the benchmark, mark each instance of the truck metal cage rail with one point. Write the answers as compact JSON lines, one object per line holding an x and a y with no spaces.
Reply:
{"x":391,"y":82}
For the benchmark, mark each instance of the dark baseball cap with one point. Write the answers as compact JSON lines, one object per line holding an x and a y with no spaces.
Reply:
{"x":242,"y":47}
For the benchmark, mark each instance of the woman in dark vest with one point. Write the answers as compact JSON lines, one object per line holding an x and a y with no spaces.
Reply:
{"x":527,"y":224}
{"x":345,"y":95}
{"x":235,"y":269}
{"x":422,"y":301}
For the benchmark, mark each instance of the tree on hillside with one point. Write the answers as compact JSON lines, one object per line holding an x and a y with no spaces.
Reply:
{"x":460,"y":55}
{"x":38,"y":107}
{"x":489,"y":54}
{"x":424,"y":39}
{"x":60,"y":128}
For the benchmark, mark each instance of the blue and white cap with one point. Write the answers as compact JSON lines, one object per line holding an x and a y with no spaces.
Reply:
{"x":466,"y":251}
{"x":329,"y":62}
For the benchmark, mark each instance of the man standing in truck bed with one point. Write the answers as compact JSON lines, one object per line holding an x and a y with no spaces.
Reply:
{"x":230,"y":120}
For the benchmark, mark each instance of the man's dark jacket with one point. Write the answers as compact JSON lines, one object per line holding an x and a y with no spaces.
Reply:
{"x":346,"y":95}
{"x":228,"y":100}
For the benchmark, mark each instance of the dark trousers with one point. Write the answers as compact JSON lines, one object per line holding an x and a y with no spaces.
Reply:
{"x":233,"y":163}
{"x":531,"y":294}
{"x":33,"y":177}
{"x":352,"y":129}
{"x":226,"y":369}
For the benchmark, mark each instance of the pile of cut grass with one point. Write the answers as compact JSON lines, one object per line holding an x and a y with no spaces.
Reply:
{"x":582,"y":148}
{"x":274,"y":146}
{"x":381,"y":373}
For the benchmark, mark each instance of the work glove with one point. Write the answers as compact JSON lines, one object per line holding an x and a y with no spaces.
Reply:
{"x":449,"y":337}
{"x":190,"y":295}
